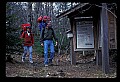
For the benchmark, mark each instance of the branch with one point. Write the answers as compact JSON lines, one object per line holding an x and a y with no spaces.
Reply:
{"x":107,"y":10}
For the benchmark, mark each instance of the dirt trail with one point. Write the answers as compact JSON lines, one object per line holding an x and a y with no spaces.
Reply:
{"x":63,"y":70}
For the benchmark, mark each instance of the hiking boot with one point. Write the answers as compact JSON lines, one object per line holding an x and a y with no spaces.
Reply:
{"x":23,"y":60}
{"x":50,"y":62}
{"x":31,"y":61}
{"x":46,"y":65}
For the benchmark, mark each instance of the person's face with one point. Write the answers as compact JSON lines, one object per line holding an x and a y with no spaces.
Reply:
{"x":49,"y":24}
{"x":28,"y":29}
{"x":44,"y":19}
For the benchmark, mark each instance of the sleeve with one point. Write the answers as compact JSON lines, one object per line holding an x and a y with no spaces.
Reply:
{"x":42,"y":36}
{"x":22,"y":35}
{"x":21,"y":32}
{"x":56,"y":39}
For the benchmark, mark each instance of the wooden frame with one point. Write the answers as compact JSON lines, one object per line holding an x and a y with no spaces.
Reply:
{"x":75,"y":35}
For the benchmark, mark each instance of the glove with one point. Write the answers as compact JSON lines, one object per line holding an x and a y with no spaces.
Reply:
{"x":56,"y":43}
{"x":42,"y":44}
{"x":32,"y":44}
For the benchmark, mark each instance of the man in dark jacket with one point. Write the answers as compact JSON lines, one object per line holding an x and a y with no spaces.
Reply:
{"x":28,"y":43}
{"x":46,"y":39}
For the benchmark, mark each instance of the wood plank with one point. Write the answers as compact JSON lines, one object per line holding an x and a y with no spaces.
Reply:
{"x":104,"y":38}
{"x":112,"y":31}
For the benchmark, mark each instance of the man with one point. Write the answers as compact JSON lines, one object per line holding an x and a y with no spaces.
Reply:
{"x":28,"y":43}
{"x":46,"y":39}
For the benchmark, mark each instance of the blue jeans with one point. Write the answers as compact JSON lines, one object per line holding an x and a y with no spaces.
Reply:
{"x":48,"y":43}
{"x":27,"y":49}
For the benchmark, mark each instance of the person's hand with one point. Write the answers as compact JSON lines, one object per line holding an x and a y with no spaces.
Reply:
{"x":33,"y":45}
{"x":41,"y":44}
{"x":56,"y":43}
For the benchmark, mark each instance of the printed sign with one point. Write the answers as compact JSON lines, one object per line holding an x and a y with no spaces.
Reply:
{"x":85,"y":38}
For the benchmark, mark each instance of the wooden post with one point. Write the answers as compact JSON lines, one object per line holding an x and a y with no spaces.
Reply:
{"x":83,"y":53}
{"x":98,"y":50}
{"x":72,"y":54}
{"x":104,"y":39}
{"x":98,"y":58}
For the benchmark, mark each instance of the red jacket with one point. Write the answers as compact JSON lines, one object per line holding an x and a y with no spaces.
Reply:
{"x":28,"y":40}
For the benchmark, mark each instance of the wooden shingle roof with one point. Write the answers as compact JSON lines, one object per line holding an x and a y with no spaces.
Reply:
{"x":72,"y":10}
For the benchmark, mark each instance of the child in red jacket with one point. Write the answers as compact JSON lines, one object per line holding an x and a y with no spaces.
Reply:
{"x":28,"y":43}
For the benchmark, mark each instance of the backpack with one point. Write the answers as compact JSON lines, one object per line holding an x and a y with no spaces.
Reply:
{"x":42,"y":24}
{"x":43,"y":18}
{"x":39,"y":19}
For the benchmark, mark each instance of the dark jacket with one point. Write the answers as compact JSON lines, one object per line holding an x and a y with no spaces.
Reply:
{"x":47,"y":34}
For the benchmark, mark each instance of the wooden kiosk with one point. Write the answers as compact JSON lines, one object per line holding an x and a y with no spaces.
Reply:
{"x":93,"y":28}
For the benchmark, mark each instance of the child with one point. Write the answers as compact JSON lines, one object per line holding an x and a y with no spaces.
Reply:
{"x":28,"y":43}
